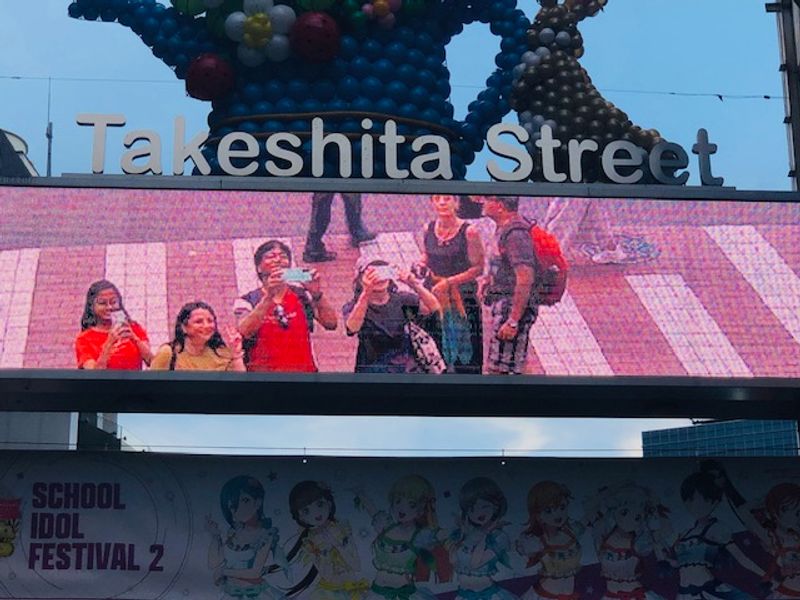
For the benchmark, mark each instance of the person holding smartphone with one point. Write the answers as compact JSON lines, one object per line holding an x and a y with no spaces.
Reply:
{"x":109,"y":338}
{"x":378,"y":313}
{"x":276,"y":320}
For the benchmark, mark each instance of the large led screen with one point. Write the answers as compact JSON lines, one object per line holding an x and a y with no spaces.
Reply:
{"x":397,"y":283}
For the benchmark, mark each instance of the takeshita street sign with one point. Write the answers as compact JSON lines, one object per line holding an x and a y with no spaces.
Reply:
{"x":238,"y":154}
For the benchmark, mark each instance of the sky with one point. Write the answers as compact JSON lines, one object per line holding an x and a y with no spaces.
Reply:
{"x":673,"y":65}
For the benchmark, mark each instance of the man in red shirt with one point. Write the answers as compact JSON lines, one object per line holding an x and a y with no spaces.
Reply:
{"x":276,"y":320}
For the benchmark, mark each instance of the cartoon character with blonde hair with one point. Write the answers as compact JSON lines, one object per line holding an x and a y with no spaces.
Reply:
{"x":9,"y":524}
{"x":628,"y":525}
{"x":326,"y":544}
{"x":551,"y":540}
{"x":405,"y":546}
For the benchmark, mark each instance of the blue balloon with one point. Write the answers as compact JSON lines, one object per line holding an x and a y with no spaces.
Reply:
{"x":427,"y":79}
{"x":272,"y":125}
{"x":360,"y":67}
{"x":430,"y":115}
{"x":396,"y":52}
{"x":371,"y":49}
{"x":405,"y":35}
{"x":74,"y":10}
{"x":298,"y":125}
{"x":239,"y":110}
{"x":286,"y":105}
{"x":311,"y":105}
{"x":419,"y":96}
{"x":252,"y":92}
{"x":415,"y":57}
{"x":338,"y":104}
{"x":298,"y":89}
{"x":383,"y":69}
{"x":274,"y":90}
{"x":262,"y":107}
{"x":168,"y":26}
{"x":407,"y":74}
{"x":348,"y":87}
{"x":350,"y":126}
{"x":408,"y":110}
{"x":348,"y":46}
{"x":397,"y":90}
{"x":372,"y":88}
{"x":324,"y":89}
{"x":362,"y":104}
{"x":386,"y":106}
{"x":249,"y":127}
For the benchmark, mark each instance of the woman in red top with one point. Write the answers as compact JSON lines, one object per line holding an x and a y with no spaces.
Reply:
{"x":109,"y":338}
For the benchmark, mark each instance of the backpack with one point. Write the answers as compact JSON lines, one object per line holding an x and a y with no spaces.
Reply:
{"x":552,"y":268}
{"x":551,"y":280}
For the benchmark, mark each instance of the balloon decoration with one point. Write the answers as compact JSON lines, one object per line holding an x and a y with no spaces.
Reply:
{"x":209,"y":77}
{"x":551,"y":88}
{"x":272,"y":65}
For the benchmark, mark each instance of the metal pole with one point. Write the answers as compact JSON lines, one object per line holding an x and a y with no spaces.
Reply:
{"x":49,"y":131}
{"x":785,"y":10}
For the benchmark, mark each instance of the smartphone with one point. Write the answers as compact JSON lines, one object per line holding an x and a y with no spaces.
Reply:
{"x":296,"y":275}
{"x":386,"y":272}
{"x":118,"y":318}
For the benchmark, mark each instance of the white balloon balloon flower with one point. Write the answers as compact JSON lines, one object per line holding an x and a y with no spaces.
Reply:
{"x":262,"y":29}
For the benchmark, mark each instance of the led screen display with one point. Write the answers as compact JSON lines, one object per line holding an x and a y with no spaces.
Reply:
{"x":385,"y":282}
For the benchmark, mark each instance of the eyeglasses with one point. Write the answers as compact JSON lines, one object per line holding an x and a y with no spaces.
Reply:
{"x":280,"y":315}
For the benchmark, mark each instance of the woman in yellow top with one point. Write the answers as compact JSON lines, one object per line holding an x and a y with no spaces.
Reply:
{"x":198,"y":345}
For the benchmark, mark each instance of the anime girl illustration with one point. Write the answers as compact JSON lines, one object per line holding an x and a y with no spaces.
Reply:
{"x":551,"y":540}
{"x":628,"y":525}
{"x":406,"y":544}
{"x":696,"y":550}
{"x":326,"y":544}
{"x":776,"y":522}
{"x":479,"y":545}
{"x":239,"y":558}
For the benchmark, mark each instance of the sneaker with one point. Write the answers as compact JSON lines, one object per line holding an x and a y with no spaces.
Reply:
{"x":319,"y":255}
{"x":617,"y":256}
{"x":362,"y":236}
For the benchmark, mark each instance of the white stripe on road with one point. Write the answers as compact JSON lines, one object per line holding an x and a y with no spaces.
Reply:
{"x":140,"y":273}
{"x":17,"y":281}
{"x":764,"y":269}
{"x":690,"y":330}
{"x":565,"y":344}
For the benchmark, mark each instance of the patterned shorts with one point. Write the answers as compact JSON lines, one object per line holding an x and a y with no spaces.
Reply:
{"x":509,"y":357}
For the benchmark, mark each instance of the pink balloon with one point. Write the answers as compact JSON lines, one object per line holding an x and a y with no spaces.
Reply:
{"x":394,"y":5}
{"x":387,"y":21}
{"x":367,"y":9}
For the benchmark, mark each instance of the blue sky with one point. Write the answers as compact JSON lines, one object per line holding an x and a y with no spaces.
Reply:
{"x":662,"y":61}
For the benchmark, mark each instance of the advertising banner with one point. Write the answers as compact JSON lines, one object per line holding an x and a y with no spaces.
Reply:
{"x":397,"y":283}
{"x":146,"y":526}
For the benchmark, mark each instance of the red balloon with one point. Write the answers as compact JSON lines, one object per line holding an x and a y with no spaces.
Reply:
{"x":315,"y":36}
{"x":209,"y":77}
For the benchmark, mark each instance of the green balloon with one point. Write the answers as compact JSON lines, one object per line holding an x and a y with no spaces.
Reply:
{"x":215,"y":18}
{"x":189,"y":7}
{"x":358,"y":21}
{"x":413,"y":7}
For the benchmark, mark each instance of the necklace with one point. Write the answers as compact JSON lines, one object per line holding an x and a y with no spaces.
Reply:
{"x":445,"y":234}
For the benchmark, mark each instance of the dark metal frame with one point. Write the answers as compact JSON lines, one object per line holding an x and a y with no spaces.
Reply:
{"x":363,"y":394}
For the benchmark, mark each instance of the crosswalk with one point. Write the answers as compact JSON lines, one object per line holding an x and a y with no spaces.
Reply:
{"x":734,"y":312}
